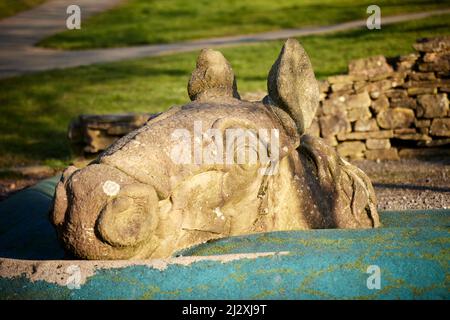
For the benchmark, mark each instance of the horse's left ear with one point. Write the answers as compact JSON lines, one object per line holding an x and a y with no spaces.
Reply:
{"x":292,"y":85}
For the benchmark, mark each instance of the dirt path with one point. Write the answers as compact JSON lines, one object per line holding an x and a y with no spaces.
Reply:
{"x":18,"y":35}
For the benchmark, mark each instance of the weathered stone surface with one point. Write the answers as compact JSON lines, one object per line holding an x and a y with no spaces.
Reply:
{"x":366,"y":125}
{"x":334,"y":105}
{"x":409,"y":57}
{"x":436,"y":44}
{"x":414,"y":91}
{"x":324,"y":86}
{"x":213,"y":76}
{"x":378,"y":86}
{"x":292,"y":85}
{"x":397,"y":82}
{"x":358,"y":113}
{"x":314,"y":129}
{"x":351,"y":149}
{"x":380,"y":104}
{"x":404,"y":131}
{"x":339,"y":87}
{"x":443,"y":84}
{"x":369,"y":67}
{"x":396,"y":93}
{"x":432,"y":106}
{"x":359,"y":100}
{"x":253,"y":96}
{"x":436,"y":63}
{"x":333,"y":124}
{"x":394,"y":118}
{"x":374,"y":94}
{"x":381,"y":134}
{"x":408,"y":102}
{"x":144,"y":197}
{"x":423,"y":84}
{"x":406,"y":62}
{"x":382,"y":154}
{"x":375,"y":144}
{"x":344,"y":78}
{"x":94,"y":133}
{"x":418,"y":123}
{"x":331,"y":141}
{"x":405,"y":65}
{"x":413,"y":136}
{"x":440,"y":127}
{"x":420,"y":76}
{"x":424,"y":131}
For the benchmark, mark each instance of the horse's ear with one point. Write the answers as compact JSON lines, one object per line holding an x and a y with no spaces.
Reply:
{"x":292,"y":85}
{"x":213,"y":77}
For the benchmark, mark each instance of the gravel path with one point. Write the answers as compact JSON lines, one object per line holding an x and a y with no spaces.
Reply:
{"x":18,"y":35}
{"x":410,"y":184}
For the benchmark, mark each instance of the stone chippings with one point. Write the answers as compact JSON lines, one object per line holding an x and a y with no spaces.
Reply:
{"x":380,"y":107}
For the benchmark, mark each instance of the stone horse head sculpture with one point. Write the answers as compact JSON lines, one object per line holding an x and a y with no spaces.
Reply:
{"x":215,"y":167}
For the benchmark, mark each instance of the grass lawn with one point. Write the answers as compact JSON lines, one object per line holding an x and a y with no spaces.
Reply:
{"x":36,"y":109}
{"x":11,"y":7}
{"x":137,"y":22}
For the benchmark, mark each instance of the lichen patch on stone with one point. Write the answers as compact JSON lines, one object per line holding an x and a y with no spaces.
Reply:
{"x":111,"y":188}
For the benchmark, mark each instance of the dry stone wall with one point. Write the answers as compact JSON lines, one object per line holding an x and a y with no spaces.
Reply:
{"x":388,"y":108}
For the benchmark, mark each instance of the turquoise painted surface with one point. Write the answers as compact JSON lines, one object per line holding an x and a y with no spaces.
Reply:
{"x":405,"y":274}
{"x":377,"y":242}
{"x":412,"y":251}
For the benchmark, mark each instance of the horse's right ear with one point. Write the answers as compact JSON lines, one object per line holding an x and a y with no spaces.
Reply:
{"x":292,"y":85}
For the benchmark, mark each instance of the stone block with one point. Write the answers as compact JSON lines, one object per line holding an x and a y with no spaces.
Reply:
{"x":369,"y":67}
{"x":331,"y":141}
{"x":366,"y":125}
{"x":394,"y":118}
{"x":440,"y":127}
{"x":333,"y":124}
{"x":420,"y":76}
{"x":435,"y":44}
{"x":380,"y":104}
{"x":381,"y":134}
{"x":375,"y":144}
{"x":408,"y":102}
{"x":358,"y":113}
{"x":414,"y":91}
{"x":396,"y":93}
{"x":432,"y":106}
{"x":418,"y":123}
{"x":413,"y":137}
{"x":342,"y":87}
{"x":382,"y":154}
{"x":351,"y":149}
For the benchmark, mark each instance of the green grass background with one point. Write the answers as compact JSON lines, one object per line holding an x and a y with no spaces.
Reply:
{"x":11,"y":7}
{"x":137,"y":22}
